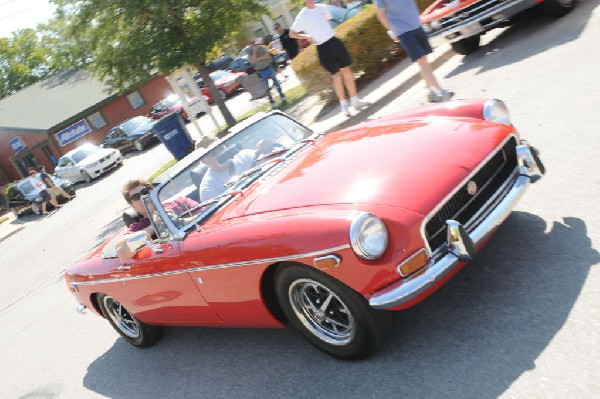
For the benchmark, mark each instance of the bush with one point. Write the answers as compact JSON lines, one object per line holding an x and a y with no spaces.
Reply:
{"x":367,"y":43}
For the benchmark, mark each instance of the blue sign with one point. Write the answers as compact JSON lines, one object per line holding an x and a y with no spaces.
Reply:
{"x":17,"y":144}
{"x":73,"y":132}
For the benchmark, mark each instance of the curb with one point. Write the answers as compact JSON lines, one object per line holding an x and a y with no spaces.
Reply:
{"x":11,"y":233}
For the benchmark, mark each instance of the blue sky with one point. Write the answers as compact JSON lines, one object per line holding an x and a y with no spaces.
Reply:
{"x":21,"y":14}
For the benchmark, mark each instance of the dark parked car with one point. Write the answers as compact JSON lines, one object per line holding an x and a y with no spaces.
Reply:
{"x":135,"y":133}
{"x":219,"y":63}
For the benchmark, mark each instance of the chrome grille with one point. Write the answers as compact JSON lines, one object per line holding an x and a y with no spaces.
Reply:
{"x":470,"y":11}
{"x":462,"y":206}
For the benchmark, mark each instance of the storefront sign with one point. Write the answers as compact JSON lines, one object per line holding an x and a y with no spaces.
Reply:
{"x":73,"y":132}
{"x":17,"y":144}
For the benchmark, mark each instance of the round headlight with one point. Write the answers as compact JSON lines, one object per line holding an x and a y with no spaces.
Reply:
{"x":368,"y":236}
{"x":496,"y":111}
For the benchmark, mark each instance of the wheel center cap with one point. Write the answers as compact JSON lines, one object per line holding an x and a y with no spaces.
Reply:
{"x":319,"y":315}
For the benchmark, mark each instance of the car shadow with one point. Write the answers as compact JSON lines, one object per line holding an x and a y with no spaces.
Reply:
{"x":539,"y":31}
{"x":472,"y":339}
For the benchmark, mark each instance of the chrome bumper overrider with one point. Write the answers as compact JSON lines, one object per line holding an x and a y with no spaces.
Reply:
{"x":460,"y":244}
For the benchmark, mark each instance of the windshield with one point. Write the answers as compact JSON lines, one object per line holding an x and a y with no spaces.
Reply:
{"x":248,"y":154}
{"x":134,"y":123}
{"x":25,"y":187}
{"x":84,"y":152}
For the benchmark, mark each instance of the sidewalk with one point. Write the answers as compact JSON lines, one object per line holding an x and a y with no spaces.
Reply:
{"x":378,"y":93}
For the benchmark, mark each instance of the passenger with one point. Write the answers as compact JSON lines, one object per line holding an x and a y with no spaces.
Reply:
{"x":133,"y":192}
{"x":218,"y":174}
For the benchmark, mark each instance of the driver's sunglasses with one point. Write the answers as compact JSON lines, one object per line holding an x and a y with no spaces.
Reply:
{"x":137,"y":196}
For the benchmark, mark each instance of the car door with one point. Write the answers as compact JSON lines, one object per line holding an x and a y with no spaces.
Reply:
{"x":161,"y":290}
{"x":66,"y":169}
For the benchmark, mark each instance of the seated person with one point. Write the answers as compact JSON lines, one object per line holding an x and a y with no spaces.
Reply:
{"x":218,"y":174}
{"x":133,"y":192}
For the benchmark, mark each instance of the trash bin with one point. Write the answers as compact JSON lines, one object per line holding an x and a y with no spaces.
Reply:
{"x":172,"y":133}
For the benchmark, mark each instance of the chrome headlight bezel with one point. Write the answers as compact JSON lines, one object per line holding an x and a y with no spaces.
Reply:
{"x":368,"y":236}
{"x":496,"y":111}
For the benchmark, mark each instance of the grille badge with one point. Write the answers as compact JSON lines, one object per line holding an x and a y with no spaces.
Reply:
{"x":471,"y":187}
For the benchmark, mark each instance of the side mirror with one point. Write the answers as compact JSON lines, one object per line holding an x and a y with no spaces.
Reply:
{"x":138,"y":240}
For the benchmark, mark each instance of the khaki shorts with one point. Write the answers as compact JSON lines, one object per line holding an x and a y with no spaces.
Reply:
{"x":56,"y":191}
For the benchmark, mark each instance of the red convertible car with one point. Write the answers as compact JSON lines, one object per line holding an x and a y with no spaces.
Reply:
{"x":326,"y":232}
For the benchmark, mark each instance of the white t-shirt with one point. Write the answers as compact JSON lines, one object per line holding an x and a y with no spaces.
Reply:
{"x":314,"y":22}
{"x":213,"y":183}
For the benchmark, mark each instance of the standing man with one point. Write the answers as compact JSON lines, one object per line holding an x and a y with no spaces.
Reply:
{"x":313,"y":20}
{"x":291,"y":46}
{"x":401,"y":20}
{"x":52,"y":188}
{"x":260,"y":58}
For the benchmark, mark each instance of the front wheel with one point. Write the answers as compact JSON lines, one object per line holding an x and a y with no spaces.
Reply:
{"x":127,"y":325}
{"x":466,"y":46}
{"x":138,"y":145}
{"x":330,"y":315}
{"x":557,"y":8}
{"x":86,"y":176}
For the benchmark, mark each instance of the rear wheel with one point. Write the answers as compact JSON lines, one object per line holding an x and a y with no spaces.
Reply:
{"x":557,"y":8}
{"x":127,"y":325}
{"x":86,"y":176}
{"x":138,"y":145}
{"x":466,"y":46}
{"x":330,"y":315}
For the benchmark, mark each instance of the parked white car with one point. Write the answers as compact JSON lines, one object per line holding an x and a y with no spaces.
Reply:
{"x":87,"y":162}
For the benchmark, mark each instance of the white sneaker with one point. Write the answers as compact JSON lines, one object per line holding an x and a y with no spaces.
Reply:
{"x":358,"y":104}
{"x":446,"y":95}
{"x":345,"y":110}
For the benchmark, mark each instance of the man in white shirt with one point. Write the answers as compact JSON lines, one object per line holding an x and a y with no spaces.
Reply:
{"x":218,"y":174}
{"x":313,"y":20}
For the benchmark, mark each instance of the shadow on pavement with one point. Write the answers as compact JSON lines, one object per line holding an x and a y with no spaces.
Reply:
{"x":540,"y":31}
{"x":472,"y":339}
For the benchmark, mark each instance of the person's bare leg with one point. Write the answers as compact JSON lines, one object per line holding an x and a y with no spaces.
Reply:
{"x":349,"y":81}
{"x":338,"y":86}
{"x":44,"y":211}
{"x":427,"y":74}
{"x":54,"y":201}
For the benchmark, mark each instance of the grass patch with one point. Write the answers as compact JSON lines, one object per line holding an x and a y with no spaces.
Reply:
{"x":162,"y":169}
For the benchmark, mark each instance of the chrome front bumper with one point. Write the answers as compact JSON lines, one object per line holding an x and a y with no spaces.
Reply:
{"x":461,"y":245}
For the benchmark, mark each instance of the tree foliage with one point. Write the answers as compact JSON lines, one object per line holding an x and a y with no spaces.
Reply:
{"x":129,"y":41}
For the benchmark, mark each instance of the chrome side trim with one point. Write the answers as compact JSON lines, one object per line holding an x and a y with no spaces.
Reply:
{"x":201,"y":267}
{"x":405,"y":290}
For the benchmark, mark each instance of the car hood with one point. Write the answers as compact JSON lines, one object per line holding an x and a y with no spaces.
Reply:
{"x":413,"y":165}
{"x":96,"y":156}
{"x":140,"y":131}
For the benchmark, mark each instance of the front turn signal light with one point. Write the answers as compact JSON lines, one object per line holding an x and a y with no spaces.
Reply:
{"x":414,"y":263}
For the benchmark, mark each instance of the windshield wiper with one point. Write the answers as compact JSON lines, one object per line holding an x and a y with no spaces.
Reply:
{"x":236,"y":179}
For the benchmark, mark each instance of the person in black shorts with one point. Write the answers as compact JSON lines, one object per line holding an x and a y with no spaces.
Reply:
{"x":290,"y":45}
{"x":314,"y":21}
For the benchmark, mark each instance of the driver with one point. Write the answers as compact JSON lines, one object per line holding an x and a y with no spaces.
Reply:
{"x":133,"y":192}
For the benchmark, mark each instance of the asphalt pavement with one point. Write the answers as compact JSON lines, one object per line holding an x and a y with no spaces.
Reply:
{"x":310,"y":112}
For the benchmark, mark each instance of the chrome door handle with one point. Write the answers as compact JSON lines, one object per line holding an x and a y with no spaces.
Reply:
{"x":124,"y":267}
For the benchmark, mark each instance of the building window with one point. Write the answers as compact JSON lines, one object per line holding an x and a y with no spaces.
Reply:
{"x":97,"y":120}
{"x":135,"y":99}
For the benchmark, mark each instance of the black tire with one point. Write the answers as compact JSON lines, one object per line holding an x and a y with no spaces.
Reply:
{"x":557,"y":8}
{"x":347,"y":328}
{"x":466,"y":46}
{"x":134,"y":331}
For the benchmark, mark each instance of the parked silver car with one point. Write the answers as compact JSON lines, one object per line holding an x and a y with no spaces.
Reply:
{"x":87,"y":162}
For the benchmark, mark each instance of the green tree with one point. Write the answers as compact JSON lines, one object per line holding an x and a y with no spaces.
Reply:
{"x":22,"y":61}
{"x":129,"y":41}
